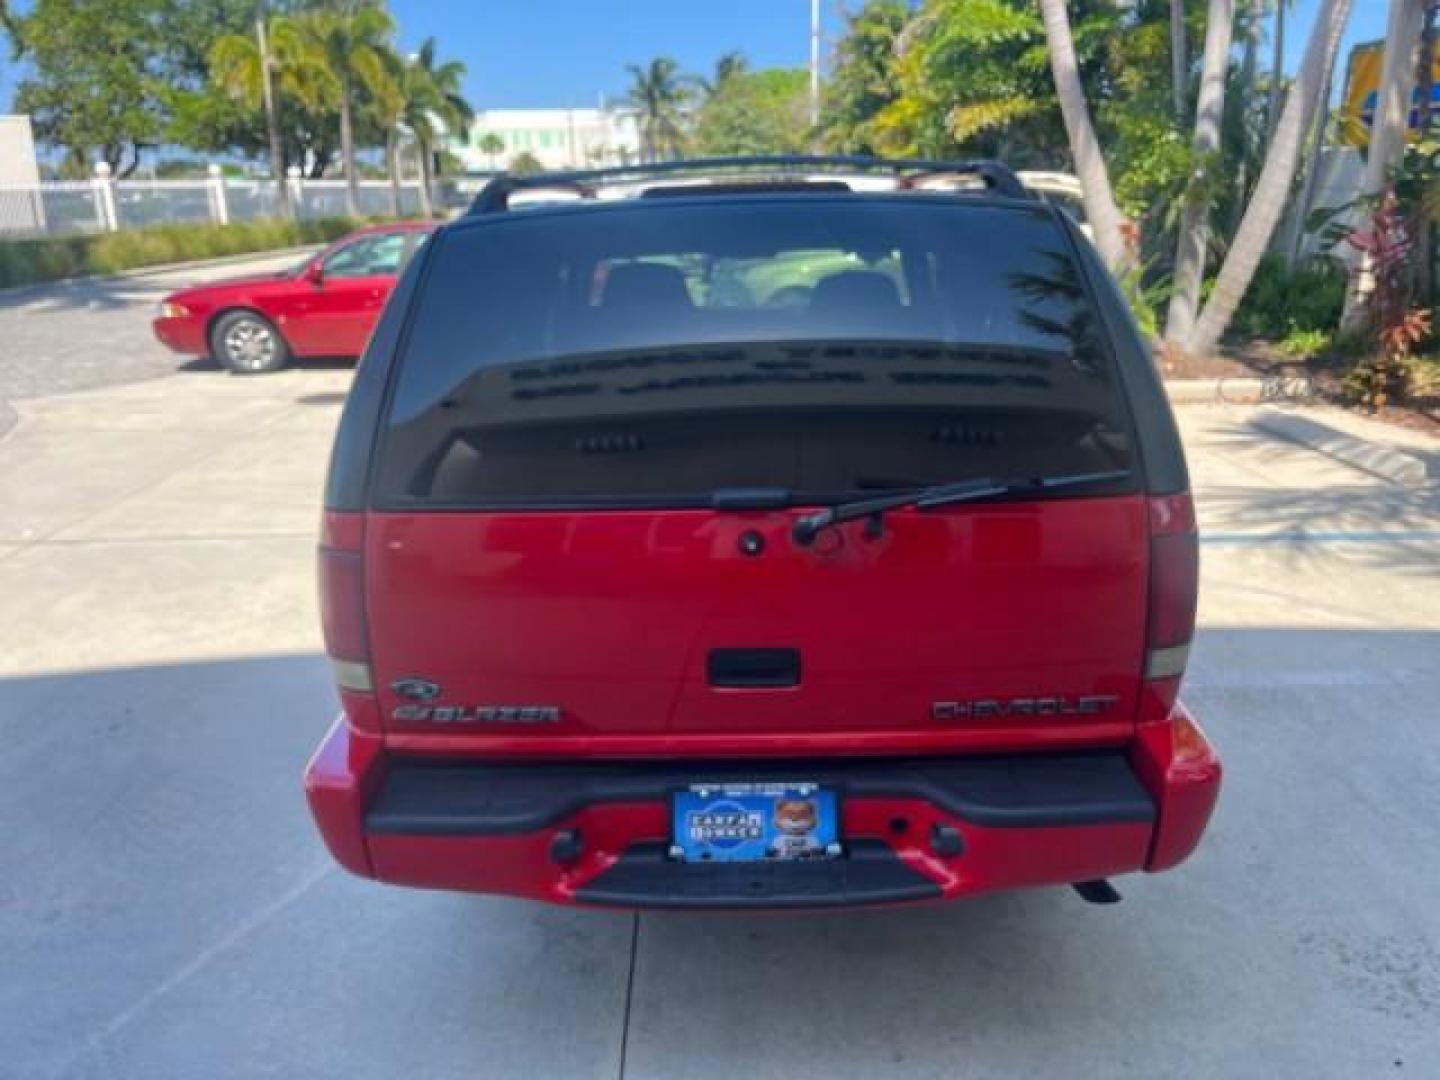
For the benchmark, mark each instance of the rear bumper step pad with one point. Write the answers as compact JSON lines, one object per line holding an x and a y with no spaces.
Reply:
{"x":430,"y":798}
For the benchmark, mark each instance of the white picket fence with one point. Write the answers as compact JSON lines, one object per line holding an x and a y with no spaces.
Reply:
{"x":102,"y":204}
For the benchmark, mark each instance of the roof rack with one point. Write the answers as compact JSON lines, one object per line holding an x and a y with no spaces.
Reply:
{"x":495,"y":196}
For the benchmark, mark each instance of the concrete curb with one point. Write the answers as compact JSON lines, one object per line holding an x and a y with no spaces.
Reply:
{"x":1241,"y":389}
{"x":14,"y":291}
{"x":1385,"y":462}
{"x":1206,"y":391}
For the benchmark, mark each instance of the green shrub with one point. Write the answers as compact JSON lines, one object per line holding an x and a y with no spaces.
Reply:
{"x":1304,"y":344}
{"x":1281,"y":302}
{"x":24,"y":262}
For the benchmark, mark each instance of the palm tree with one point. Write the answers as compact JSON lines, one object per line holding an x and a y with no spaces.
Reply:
{"x":731,"y":64}
{"x":351,"y":40}
{"x":659,"y":93}
{"x":1277,"y":71}
{"x":1272,"y":189}
{"x":1194,"y":232}
{"x":255,"y":70}
{"x":1179,"y":57}
{"x":492,"y":146}
{"x":386,"y":107}
{"x":1098,"y":196}
{"x":435,"y":107}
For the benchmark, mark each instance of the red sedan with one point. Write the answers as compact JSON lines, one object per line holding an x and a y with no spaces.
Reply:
{"x":325,"y":306}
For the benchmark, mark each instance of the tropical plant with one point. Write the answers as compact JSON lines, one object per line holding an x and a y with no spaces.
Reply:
{"x":526,"y":164}
{"x":435,"y":108}
{"x":660,"y":96}
{"x":1272,"y":188}
{"x":492,"y":146}
{"x":863,"y":81}
{"x":1099,"y":197}
{"x":1387,"y":240}
{"x":256,"y":71}
{"x":351,"y":40}
{"x":731,"y":64}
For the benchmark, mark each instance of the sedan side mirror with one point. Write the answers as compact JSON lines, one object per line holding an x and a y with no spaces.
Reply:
{"x":315,"y":273}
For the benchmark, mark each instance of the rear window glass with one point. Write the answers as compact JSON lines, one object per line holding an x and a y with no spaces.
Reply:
{"x":651,"y":354}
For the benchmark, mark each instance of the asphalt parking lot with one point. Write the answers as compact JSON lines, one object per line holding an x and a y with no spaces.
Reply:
{"x":166,"y":909}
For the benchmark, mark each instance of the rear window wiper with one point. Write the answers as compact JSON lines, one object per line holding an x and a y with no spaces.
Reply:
{"x":810,"y":526}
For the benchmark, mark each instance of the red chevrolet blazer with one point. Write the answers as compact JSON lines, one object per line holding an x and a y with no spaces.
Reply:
{"x":780,"y":540}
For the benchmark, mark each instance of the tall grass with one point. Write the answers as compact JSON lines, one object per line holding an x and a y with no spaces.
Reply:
{"x":24,"y":262}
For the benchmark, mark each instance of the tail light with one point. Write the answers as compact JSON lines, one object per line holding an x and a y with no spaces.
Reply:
{"x":342,"y":615}
{"x":1174,"y":586}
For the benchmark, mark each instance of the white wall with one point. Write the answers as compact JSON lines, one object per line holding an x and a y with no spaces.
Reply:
{"x":17,"y":152}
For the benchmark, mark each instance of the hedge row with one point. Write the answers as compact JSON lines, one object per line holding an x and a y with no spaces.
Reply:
{"x":24,"y":262}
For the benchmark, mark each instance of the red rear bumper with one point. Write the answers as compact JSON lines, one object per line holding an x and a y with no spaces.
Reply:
{"x":425,"y":825}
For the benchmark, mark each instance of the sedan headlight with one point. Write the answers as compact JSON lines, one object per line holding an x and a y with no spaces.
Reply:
{"x":173,"y":311}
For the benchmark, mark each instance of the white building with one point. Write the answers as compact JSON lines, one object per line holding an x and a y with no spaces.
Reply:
{"x":559,"y":138}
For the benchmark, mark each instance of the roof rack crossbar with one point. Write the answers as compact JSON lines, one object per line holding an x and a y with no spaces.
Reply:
{"x":495,"y":195}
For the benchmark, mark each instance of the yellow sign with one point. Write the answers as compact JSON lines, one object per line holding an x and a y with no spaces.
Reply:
{"x":1362,"y":93}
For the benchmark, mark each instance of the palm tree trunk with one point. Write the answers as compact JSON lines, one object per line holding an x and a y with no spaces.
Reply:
{"x":1310,"y":169}
{"x":1273,"y":188}
{"x":1424,"y":229}
{"x":1179,"y":57}
{"x":1387,"y":132}
{"x":347,"y":153}
{"x":392,"y":166}
{"x":1194,"y":234}
{"x":427,"y":181}
{"x":272,"y":121}
{"x":1277,"y":73}
{"x":1098,"y":196}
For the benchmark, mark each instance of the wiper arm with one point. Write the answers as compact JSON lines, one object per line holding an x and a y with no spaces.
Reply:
{"x":807,"y":528}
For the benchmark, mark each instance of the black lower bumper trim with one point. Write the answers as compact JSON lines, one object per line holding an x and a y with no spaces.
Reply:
{"x":427,"y":797}
{"x":868,"y":873}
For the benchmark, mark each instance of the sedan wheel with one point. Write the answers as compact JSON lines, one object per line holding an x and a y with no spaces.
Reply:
{"x":247,"y":344}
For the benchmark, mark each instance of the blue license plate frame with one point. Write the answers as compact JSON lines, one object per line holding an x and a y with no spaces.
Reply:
{"x":754,"y":822}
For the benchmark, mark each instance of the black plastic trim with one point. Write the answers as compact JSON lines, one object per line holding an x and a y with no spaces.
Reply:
{"x":1158,"y":447}
{"x":422,"y":796}
{"x":347,"y":481}
{"x":868,"y":873}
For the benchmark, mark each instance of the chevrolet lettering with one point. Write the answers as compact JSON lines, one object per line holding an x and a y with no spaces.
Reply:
{"x":1001,"y":708}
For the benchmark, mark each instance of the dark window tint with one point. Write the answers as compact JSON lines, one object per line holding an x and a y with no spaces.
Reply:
{"x":649,"y":354}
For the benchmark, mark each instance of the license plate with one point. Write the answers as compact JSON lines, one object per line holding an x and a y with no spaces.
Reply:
{"x":754,"y":822}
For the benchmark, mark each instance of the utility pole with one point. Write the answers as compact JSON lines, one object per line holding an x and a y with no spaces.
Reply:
{"x":272,"y":117}
{"x":814,"y":63}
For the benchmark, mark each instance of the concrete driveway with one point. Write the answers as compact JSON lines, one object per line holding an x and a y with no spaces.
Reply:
{"x":166,"y":909}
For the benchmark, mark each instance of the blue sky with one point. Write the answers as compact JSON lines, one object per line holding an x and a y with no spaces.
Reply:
{"x":569,"y":52}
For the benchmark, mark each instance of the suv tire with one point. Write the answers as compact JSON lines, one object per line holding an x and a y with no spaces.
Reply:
{"x":247,"y":343}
